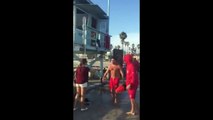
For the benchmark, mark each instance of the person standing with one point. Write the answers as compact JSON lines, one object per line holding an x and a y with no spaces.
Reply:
{"x":81,"y":79}
{"x":137,"y":66}
{"x":116,"y":74}
{"x":132,"y":82}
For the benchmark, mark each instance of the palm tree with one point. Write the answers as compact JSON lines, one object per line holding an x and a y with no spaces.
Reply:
{"x":111,"y":47}
{"x":119,"y":47}
{"x":129,"y":48}
{"x":123,"y":36}
{"x":138,"y":46}
{"x":133,"y":47}
{"x":127,"y":43}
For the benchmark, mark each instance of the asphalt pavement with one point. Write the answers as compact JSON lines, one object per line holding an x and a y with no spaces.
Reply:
{"x":102,"y":107}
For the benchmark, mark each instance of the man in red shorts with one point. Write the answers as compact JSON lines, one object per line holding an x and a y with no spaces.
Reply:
{"x":115,"y":75}
{"x":132,"y":82}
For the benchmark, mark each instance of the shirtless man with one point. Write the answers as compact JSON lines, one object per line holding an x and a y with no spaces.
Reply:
{"x":115,"y":75}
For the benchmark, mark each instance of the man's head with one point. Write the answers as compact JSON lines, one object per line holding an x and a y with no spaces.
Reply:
{"x":83,"y":61}
{"x":128,"y":58}
{"x":113,"y":60}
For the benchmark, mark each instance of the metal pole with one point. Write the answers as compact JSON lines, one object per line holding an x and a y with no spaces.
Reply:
{"x":74,"y":26}
{"x":85,"y":41}
{"x":74,"y":21}
{"x":108,"y":8}
{"x":108,"y":13}
{"x":84,"y":26}
{"x":101,"y":65}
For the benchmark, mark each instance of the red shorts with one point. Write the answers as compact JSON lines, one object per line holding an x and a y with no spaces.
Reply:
{"x":132,"y":91}
{"x":113,"y":83}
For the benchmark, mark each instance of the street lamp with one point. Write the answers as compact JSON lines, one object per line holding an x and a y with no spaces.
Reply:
{"x":123,"y":36}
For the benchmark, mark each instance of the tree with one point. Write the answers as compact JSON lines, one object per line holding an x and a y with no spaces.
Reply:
{"x":119,"y":47}
{"x":129,"y":48}
{"x":138,"y":46}
{"x":123,"y":36}
{"x":111,"y":47}
{"x":133,"y":48}
{"x":127,"y":43}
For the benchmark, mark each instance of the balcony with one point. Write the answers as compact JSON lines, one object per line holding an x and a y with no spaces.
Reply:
{"x":92,"y":36}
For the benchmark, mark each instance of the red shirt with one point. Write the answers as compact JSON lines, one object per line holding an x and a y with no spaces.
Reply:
{"x":131,"y":73}
{"x":82,"y":75}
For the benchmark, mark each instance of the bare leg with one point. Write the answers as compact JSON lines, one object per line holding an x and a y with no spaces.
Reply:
{"x":82,"y":97}
{"x":77,"y":96}
{"x":134,"y":106}
{"x":115,"y":98}
{"x":112,"y":94}
{"x":132,"y":111}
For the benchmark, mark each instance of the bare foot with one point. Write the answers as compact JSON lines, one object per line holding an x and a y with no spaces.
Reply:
{"x":115,"y":101}
{"x":130,"y":113}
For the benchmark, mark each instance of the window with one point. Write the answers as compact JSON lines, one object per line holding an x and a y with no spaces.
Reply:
{"x":94,"y":23}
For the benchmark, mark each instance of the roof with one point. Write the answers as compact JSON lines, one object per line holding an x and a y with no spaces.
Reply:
{"x":82,"y":1}
{"x":93,"y":9}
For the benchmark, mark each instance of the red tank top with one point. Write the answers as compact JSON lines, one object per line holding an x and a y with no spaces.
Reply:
{"x":82,"y":75}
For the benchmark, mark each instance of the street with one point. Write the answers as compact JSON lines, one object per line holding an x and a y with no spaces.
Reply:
{"x":102,"y":107}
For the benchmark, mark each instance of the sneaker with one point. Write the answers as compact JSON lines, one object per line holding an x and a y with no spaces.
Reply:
{"x":86,"y":100}
{"x":75,"y":109}
{"x":87,"y":104}
{"x":83,"y":109}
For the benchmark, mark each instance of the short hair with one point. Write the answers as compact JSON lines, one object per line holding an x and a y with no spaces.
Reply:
{"x":83,"y":61}
{"x":114,"y":58}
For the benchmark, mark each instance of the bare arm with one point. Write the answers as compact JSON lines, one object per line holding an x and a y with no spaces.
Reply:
{"x":105,"y":74}
{"x":75,"y":72}
{"x":121,"y":72}
{"x":132,"y":76}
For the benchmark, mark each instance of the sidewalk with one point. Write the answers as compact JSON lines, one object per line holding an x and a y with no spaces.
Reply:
{"x":101,"y":104}
{"x":93,"y":84}
{"x":97,"y":83}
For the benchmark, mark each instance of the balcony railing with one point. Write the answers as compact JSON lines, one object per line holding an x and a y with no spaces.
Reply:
{"x":92,"y":35}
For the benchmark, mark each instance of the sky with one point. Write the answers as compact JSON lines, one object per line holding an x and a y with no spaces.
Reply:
{"x":124,"y":16}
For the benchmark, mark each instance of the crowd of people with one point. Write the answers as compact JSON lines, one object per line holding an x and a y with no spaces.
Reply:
{"x":128,"y":73}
